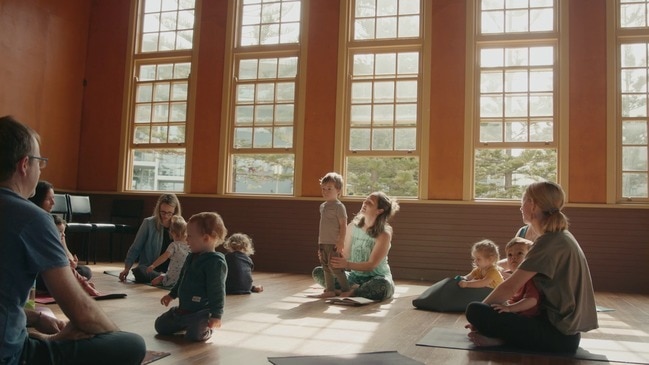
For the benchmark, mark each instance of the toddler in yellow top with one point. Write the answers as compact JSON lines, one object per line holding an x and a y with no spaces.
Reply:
{"x":485,"y":267}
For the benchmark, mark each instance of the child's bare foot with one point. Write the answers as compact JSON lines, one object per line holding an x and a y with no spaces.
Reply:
{"x":257,"y":289}
{"x":347,"y":293}
{"x":483,"y":341}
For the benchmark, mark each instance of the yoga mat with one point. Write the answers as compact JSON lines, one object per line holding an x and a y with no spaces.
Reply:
{"x":589,"y":349}
{"x":44,"y":299}
{"x":369,"y":358}
{"x":152,"y":356}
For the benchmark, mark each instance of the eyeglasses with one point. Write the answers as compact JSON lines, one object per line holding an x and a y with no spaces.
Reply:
{"x":42,"y":161}
{"x":166,"y":214}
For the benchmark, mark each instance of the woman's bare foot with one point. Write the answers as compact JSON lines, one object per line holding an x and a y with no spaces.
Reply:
{"x":348,"y":293}
{"x":323,"y":295}
{"x":257,"y":289}
{"x":483,"y":341}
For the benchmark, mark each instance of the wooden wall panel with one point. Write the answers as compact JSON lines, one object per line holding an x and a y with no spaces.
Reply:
{"x":587,"y":101}
{"x":42,"y":62}
{"x":209,"y":95}
{"x":431,"y":241}
{"x":321,"y":90}
{"x":101,"y":132}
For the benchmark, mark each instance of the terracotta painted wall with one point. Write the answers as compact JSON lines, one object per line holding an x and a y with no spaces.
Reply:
{"x":102,"y":99}
{"x":42,"y":62}
{"x":321,"y":88}
{"x":209,"y":94}
{"x":587,"y":155}
{"x":446,"y":137}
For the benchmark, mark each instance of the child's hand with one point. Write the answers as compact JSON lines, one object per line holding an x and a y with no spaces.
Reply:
{"x":501,"y":308}
{"x":149,"y":269}
{"x":470,"y":327}
{"x":166,"y":300}
{"x":339,"y":248}
{"x":462,"y":283}
{"x":214,"y":323}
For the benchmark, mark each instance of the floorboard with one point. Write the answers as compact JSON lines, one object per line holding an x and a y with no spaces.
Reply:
{"x":282,"y":321}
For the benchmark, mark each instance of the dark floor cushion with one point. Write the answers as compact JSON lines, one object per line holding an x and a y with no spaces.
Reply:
{"x":447,"y":296}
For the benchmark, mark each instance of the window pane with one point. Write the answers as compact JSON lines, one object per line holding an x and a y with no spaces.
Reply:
{"x":158,"y":169}
{"x":386,"y":19}
{"x":263,"y":174}
{"x":168,"y":27}
{"x":505,"y":173}
{"x":396,"y":176}
{"x":270,"y":22}
{"x":516,"y":16}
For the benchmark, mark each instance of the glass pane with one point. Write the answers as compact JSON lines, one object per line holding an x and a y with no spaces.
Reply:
{"x":541,"y":80}
{"x":359,"y":139}
{"x":262,"y":138}
{"x":143,"y":113}
{"x":634,"y":132}
{"x":541,"y":131}
{"x":634,"y":105}
{"x":383,"y":115}
{"x":384,"y":91}
{"x":491,"y":106}
{"x":541,"y":105}
{"x":505,"y":173}
{"x":491,"y":81}
{"x":158,"y":170}
{"x":284,"y":113}
{"x":243,"y":115}
{"x":634,"y":55}
{"x":360,"y":115}
{"x":144,"y":93}
{"x":516,"y":131}
{"x":396,"y":176}
{"x":516,"y":81}
{"x":406,"y":91}
{"x":247,"y":69}
{"x":634,"y":158}
{"x":405,"y":139}
{"x":179,"y":91}
{"x":177,"y":134}
{"x":382,"y":139}
{"x":634,"y":185}
{"x":159,"y":134}
{"x":541,"y":20}
{"x":386,"y":64}
{"x":283,"y":137}
{"x":178,"y":112}
{"x":264,"y":114}
{"x":386,"y":28}
{"x":245,"y":93}
{"x":408,"y":26}
{"x":491,"y":132}
{"x":406,"y":115}
{"x":633,"y":80}
{"x":633,"y":15}
{"x":262,"y":174}
{"x":142,"y":134}
{"x":243,"y":138}
{"x":361,"y":92}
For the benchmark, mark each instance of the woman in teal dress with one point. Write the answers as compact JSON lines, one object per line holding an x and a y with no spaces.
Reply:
{"x":365,"y":256}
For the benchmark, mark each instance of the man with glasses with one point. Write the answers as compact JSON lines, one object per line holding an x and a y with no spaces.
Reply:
{"x":30,"y":246}
{"x":151,"y":241}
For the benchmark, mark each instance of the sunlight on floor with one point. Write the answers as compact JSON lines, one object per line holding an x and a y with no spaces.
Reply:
{"x":282,"y":329}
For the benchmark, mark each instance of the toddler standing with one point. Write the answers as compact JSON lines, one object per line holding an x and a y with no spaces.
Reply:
{"x":176,"y":253}
{"x":240,"y":265}
{"x":201,"y":286}
{"x":485,"y":263}
{"x":331,"y":237}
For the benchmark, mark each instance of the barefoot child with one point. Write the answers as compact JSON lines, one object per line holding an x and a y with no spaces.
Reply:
{"x":331,"y":235}
{"x":240,"y":265}
{"x":201,"y":286}
{"x":176,"y":253}
{"x":485,"y":263}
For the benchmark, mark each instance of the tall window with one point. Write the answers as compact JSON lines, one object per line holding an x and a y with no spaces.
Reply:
{"x":633,"y":92}
{"x":517,"y":96}
{"x":264,"y":89}
{"x":159,"y":108}
{"x":383,"y":117}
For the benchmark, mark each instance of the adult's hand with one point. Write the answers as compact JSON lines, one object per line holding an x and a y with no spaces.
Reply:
{"x":123,"y":274}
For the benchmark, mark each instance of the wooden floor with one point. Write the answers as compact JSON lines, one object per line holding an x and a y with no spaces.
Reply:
{"x":282,"y":321}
